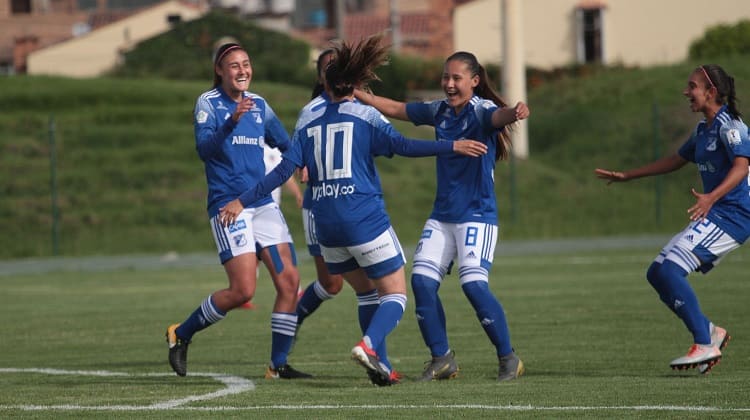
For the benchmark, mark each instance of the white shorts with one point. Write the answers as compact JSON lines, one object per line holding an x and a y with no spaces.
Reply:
{"x":311,"y":237}
{"x":255,"y":228}
{"x":699,"y":247}
{"x":379,"y":257}
{"x":472,"y":244}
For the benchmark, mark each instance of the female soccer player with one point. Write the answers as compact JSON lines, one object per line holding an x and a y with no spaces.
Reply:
{"x":337,"y":143}
{"x":327,"y":285}
{"x":231,"y":125}
{"x":720,"y":217}
{"x":463,"y":223}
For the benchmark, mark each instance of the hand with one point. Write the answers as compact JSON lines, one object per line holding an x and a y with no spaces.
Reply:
{"x":522,"y":111}
{"x":242,"y":107}
{"x":610,"y":176}
{"x":471,"y":148}
{"x":228,"y":214}
{"x":303,"y":175}
{"x":702,"y":206}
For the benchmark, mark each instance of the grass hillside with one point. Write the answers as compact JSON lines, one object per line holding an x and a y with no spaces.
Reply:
{"x":129,"y":180}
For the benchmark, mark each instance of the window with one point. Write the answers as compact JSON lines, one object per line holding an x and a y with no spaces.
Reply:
{"x":20,"y":6}
{"x":590,"y":35}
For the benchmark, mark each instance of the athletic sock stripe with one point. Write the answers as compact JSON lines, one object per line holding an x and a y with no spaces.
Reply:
{"x":210,"y":312}
{"x":320,"y":291}
{"x":394,"y":297}
{"x":284,"y":323}
{"x":368,"y":299}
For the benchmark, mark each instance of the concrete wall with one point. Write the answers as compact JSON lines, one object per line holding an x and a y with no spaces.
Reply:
{"x":635,"y":32}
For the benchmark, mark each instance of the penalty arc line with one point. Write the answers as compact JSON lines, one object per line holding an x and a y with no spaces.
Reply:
{"x":234,"y":385}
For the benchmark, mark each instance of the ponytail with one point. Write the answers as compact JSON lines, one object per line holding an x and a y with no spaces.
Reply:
{"x":724,"y":84}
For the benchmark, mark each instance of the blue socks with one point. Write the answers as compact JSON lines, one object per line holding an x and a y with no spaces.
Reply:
{"x":490,"y":313}
{"x":670,"y":282}
{"x":313,"y":296}
{"x":384,"y":320}
{"x":367,"y":304}
{"x":430,"y":314}
{"x":283,"y":328}
{"x":206,"y":315}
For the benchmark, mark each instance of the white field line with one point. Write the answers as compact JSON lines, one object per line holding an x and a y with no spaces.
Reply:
{"x":236,"y":385}
{"x":233,"y":385}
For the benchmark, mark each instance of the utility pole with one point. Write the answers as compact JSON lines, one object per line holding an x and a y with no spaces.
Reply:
{"x":340,"y":17}
{"x":514,"y":70}
{"x":395,"y":23}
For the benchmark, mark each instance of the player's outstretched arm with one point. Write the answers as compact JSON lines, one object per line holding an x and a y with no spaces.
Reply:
{"x":661,"y":166}
{"x":386,"y":106}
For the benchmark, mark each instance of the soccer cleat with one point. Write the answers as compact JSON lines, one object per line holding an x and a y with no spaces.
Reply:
{"x":511,"y":367}
{"x":379,"y":374}
{"x":719,"y":338}
{"x":698,"y":354}
{"x":286,"y":372}
{"x":441,"y":367}
{"x":177,"y":351}
{"x":393,"y":379}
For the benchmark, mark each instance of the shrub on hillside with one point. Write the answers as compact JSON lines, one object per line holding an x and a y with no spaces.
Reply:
{"x":722,"y":40}
{"x":186,"y":51}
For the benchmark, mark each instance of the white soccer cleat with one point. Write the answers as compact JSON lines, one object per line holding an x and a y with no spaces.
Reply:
{"x":697,"y":355}
{"x":719,"y":338}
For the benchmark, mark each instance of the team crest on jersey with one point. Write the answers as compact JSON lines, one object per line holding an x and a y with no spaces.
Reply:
{"x":240,"y":240}
{"x":734,"y":137}
{"x":257,"y":117}
{"x":711,"y":146}
{"x":201,"y":116}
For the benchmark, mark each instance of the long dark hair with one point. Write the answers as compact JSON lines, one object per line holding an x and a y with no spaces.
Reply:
{"x":484,"y":90}
{"x":220,"y":54}
{"x":354,"y":65}
{"x":318,"y":88}
{"x":724,"y":85}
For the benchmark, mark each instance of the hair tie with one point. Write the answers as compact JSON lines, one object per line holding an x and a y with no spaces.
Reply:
{"x":705,"y":73}
{"x":225,"y":52}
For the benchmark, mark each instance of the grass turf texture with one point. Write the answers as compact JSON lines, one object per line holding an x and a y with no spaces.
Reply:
{"x":594,"y":336}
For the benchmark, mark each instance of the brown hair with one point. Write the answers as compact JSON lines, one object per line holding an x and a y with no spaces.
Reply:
{"x":318,"y":88}
{"x":484,"y":90}
{"x":220,"y":54}
{"x":354,"y":65}
{"x":724,"y":85}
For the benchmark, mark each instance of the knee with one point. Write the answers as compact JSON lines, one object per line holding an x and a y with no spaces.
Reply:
{"x":238,"y":296}
{"x":333,"y":283}
{"x":287,"y":283}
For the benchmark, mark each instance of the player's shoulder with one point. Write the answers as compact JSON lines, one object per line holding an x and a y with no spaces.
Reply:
{"x":481,"y":104}
{"x":363,"y":112}
{"x":209,"y":95}
{"x":311,"y":111}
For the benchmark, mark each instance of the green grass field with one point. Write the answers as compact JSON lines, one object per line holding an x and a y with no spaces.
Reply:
{"x":594,"y":337}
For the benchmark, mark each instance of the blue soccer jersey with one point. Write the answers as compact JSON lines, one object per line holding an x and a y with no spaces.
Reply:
{"x":233,"y":152}
{"x":713,"y":149}
{"x":337,"y":143}
{"x":465,"y":185}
